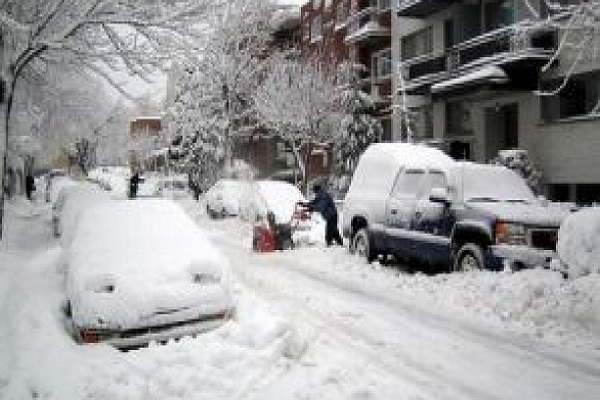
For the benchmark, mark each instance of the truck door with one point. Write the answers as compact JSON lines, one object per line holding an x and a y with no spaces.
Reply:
{"x":433,"y":221}
{"x":400,"y":211}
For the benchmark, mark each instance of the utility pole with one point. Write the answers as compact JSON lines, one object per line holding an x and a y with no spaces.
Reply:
{"x":3,"y":149}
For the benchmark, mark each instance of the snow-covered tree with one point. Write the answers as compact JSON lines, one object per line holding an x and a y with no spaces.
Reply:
{"x":213,"y":92}
{"x":87,"y":36}
{"x":299,"y":102}
{"x":358,"y":128}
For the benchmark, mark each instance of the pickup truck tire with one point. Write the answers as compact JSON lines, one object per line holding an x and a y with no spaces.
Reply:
{"x":470,"y":257}
{"x":361,"y":245}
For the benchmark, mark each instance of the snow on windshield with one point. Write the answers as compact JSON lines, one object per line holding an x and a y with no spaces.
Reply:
{"x":492,"y":183}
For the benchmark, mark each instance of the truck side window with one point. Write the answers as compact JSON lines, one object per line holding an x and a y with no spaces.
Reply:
{"x":437,"y":179}
{"x":408,"y":184}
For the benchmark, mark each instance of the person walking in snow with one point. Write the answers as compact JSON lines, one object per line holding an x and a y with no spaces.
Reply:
{"x":323,"y":204}
{"x":29,"y":186}
{"x":134,"y":181}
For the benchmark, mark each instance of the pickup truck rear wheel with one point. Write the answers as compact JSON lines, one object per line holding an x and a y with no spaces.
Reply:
{"x":470,"y":257}
{"x":361,"y":245}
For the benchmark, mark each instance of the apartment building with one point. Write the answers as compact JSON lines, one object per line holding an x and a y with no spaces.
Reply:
{"x":470,"y":70}
{"x":359,"y":32}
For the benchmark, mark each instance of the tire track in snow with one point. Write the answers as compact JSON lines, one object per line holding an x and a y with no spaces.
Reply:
{"x":400,"y":365}
{"x":406,"y":317}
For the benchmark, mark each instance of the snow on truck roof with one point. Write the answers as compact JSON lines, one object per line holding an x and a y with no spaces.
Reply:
{"x":380,"y":163}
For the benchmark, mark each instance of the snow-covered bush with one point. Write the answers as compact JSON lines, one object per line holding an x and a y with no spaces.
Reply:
{"x":579,"y":242}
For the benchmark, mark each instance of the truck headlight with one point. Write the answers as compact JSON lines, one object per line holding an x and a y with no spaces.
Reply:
{"x":511,"y":233}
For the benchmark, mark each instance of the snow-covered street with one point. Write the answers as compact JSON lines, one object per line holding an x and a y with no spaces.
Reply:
{"x":310,"y":323}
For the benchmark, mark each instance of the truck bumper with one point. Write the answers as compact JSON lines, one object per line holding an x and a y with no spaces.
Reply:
{"x":520,"y":257}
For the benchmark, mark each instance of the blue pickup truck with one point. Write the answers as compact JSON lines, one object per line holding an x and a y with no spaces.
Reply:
{"x":415,"y":203}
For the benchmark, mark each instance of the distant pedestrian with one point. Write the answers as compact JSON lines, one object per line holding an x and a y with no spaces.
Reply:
{"x":29,"y":186}
{"x":134,"y":182}
{"x":323,"y":203}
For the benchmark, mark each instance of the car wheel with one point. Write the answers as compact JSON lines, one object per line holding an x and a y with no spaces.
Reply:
{"x":470,"y":257}
{"x":361,"y":245}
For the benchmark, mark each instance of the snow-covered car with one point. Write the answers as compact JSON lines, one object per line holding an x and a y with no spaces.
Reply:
{"x":142,"y":271}
{"x":174,"y":187}
{"x":149,"y":185}
{"x":281,"y":198}
{"x":415,"y":202}
{"x":70,"y":201}
{"x":225,"y":197}
{"x":75,"y":200}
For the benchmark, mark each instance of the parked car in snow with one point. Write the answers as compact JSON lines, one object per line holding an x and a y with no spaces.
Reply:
{"x":174,"y":187}
{"x":71,"y":201}
{"x":225,"y":197}
{"x":141,"y":271}
{"x":281,"y":198}
{"x":415,"y":202}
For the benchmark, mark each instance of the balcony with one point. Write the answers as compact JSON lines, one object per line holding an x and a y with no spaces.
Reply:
{"x":515,"y":47}
{"x":422,"y":8}
{"x":365,"y":25}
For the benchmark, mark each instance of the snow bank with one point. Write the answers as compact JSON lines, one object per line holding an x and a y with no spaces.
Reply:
{"x":23,"y":207}
{"x":536,"y":302}
{"x":579,"y":242}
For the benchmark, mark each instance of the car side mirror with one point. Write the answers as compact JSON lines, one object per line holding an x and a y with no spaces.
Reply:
{"x":439,"y":195}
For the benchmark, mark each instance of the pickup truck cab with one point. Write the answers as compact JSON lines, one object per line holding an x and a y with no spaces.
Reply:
{"x":415,"y":202}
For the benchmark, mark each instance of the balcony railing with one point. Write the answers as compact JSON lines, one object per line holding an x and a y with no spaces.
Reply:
{"x":499,"y":47}
{"x":365,"y":23}
{"x":422,"y":8}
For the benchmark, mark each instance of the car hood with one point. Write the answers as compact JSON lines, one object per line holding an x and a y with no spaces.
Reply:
{"x":530,"y":214}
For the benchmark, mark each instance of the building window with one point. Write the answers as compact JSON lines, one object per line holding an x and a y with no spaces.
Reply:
{"x":417,"y":44}
{"x":458,"y":120}
{"x":384,"y":4}
{"x":423,"y":122}
{"x":315,"y":28}
{"x":382,"y":63}
{"x":498,"y":14}
{"x":578,"y":98}
{"x":386,"y":129}
{"x":341,"y":14}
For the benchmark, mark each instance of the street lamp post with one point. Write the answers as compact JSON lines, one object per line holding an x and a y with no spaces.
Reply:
{"x":3,"y":149}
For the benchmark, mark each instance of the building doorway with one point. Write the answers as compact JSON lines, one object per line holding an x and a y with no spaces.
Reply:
{"x":501,"y":129}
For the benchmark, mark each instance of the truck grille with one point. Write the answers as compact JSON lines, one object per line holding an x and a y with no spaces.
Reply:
{"x":544,"y":238}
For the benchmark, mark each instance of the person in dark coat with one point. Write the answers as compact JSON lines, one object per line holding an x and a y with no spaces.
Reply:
{"x":29,"y":186}
{"x":134,"y":181}
{"x":324,"y":205}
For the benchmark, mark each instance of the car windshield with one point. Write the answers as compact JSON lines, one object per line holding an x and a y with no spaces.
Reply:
{"x":493,"y":184}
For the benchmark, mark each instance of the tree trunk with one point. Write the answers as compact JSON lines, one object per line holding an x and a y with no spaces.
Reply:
{"x":5,"y":108}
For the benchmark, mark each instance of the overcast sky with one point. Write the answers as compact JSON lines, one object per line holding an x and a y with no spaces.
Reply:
{"x":157,"y":89}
